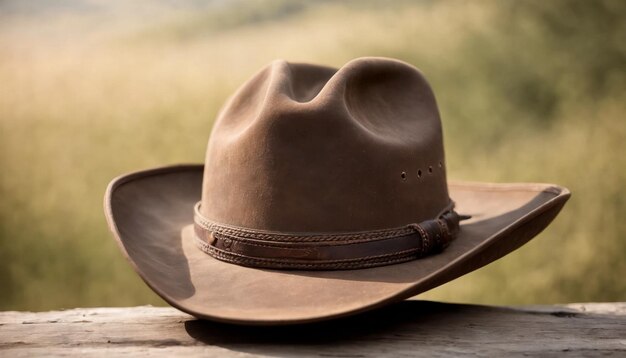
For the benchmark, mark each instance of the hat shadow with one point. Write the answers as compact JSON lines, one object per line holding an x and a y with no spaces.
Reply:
{"x":390,"y":321}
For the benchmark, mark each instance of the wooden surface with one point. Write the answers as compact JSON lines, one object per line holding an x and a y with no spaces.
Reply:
{"x":411,"y":328}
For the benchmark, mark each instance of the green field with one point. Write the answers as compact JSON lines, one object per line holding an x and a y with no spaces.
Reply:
{"x":528,"y":91}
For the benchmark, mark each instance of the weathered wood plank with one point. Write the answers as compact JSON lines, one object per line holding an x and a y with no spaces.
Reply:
{"x":411,"y":328}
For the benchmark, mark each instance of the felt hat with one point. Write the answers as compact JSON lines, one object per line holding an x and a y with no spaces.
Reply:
{"x":323,"y":194}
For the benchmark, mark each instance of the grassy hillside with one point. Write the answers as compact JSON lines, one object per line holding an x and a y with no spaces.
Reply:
{"x":528,"y":91}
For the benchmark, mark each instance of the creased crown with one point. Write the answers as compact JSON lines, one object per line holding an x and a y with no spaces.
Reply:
{"x":307,"y":148}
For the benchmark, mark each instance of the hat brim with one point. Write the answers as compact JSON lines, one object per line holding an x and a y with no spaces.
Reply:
{"x":151,"y":215}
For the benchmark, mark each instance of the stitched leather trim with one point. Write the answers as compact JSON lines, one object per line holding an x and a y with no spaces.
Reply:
{"x":328,"y":251}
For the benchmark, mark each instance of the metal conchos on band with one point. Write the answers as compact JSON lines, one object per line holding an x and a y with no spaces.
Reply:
{"x":326,"y":251}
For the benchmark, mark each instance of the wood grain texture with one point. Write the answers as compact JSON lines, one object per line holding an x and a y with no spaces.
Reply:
{"x":410,"y":328}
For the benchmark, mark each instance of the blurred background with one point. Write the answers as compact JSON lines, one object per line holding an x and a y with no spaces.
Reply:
{"x":528,"y":91}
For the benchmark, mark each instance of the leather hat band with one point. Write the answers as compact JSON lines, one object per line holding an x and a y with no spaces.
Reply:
{"x":333,"y":251}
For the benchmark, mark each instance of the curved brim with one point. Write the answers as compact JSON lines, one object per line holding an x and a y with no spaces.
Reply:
{"x":151,"y":215}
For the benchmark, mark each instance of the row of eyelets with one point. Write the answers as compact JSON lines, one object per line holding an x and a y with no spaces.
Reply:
{"x":403,"y":175}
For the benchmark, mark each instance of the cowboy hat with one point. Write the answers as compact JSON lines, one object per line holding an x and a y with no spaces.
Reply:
{"x":323,"y":194}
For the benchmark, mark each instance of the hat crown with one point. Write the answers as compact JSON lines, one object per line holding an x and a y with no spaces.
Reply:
{"x":306,"y":148}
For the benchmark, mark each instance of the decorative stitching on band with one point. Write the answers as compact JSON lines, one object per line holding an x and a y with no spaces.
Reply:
{"x":363,"y":262}
{"x":254,"y":248}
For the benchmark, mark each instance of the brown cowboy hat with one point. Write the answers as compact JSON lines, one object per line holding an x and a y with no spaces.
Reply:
{"x":323,"y":194}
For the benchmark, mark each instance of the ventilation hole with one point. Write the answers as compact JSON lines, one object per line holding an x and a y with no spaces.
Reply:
{"x":403,"y":176}
{"x":430,"y":170}
{"x":419,"y":173}
{"x":440,"y":165}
